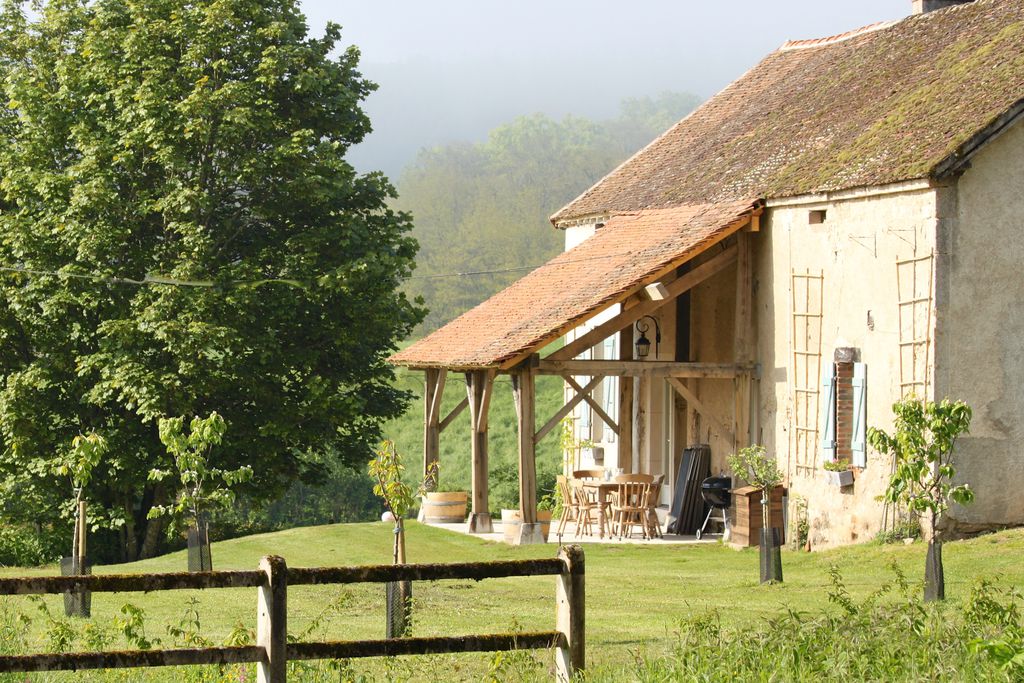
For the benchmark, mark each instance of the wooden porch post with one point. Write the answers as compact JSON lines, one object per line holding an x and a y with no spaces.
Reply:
{"x":625,"y":440}
{"x":524,"y":393}
{"x":432,"y":393}
{"x":743,"y":344}
{"x":478,"y":389}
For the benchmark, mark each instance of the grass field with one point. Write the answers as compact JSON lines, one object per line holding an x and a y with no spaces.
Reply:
{"x":636,"y":594}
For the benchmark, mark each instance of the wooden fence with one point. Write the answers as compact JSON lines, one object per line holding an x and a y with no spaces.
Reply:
{"x":272,"y":649}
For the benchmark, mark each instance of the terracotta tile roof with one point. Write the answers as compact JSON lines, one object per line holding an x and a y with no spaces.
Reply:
{"x":630,"y":251}
{"x":875,"y":106}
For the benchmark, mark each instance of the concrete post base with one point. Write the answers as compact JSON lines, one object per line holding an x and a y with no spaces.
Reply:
{"x":479,"y":523}
{"x":530,"y":534}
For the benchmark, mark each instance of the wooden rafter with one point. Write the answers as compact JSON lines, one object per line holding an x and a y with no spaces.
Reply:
{"x":630,"y":315}
{"x":566,"y":409}
{"x":443,"y":424}
{"x":593,"y":404}
{"x":702,"y":410}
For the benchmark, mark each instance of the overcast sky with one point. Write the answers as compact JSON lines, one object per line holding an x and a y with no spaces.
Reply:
{"x":453,"y":69}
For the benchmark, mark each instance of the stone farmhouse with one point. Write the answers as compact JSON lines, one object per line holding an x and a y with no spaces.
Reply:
{"x":841,"y":227}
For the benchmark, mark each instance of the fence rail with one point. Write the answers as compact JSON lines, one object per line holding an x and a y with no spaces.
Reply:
{"x":272,"y":651}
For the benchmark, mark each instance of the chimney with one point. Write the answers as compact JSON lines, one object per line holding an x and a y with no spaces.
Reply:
{"x":924,"y":6}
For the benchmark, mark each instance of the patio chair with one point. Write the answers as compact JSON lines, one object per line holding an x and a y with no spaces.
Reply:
{"x":594,"y":473}
{"x":586,"y":508}
{"x":629,"y":507}
{"x":653,"y":525}
{"x":570,"y":510}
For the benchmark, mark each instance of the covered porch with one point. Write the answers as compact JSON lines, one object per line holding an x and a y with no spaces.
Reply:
{"x":635,"y":268}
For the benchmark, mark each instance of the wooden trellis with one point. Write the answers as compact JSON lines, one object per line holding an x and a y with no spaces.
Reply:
{"x":914,"y":283}
{"x":806,"y":291}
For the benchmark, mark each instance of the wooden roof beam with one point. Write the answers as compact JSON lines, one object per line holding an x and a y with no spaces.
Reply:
{"x":643,"y":368}
{"x":631,"y":315}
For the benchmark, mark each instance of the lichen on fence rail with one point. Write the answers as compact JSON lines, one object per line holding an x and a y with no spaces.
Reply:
{"x":124,"y":583}
{"x":384,"y":573}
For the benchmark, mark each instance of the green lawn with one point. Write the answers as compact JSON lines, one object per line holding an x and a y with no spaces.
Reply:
{"x":635,"y":594}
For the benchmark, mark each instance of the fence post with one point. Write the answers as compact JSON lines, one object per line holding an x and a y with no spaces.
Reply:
{"x":570,"y":620}
{"x":272,"y":621}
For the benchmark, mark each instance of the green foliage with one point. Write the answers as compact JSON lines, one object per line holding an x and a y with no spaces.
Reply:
{"x":203,"y":488}
{"x":82,"y":459}
{"x":835,"y":466}
{"x":922,"y":447}
{"x":753,"y":465}
{"x":22,"y":546}
{"x":484,"y":207}
{"x":201,"y":141}
{"x":888,"y":636}
{"x":387,"y":469}
{"x":341,"y":494}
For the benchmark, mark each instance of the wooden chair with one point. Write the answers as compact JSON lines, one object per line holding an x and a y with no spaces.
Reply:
{"x":653,"y":525}
{"x":629,"y":507}
{"x":570,"y":510}
{"x":586,"y":508}
{"x":588,"y":474}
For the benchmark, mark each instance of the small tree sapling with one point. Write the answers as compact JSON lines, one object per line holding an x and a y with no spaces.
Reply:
{"x":387,"y":469}
{"x":83,"y":457}
{"x":922,"y":480}
{"x":203,"y":488}
{"x":762,"y":472}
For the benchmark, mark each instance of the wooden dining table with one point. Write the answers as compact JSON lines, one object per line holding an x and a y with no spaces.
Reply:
{"x":601,"y":491}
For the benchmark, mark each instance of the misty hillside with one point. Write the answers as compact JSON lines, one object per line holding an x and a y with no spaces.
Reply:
{"x":484,"y":207}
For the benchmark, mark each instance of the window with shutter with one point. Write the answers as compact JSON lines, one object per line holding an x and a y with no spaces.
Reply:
{"x":860,"y":404}
{"x":828,"y":413}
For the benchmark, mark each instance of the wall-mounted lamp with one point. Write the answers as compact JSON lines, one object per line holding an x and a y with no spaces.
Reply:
{"x":643,"y":344}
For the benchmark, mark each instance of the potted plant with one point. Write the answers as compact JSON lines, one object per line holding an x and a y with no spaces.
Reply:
{"x":440,"y":506}
{"x":838,"y":473}
{"x":753,"y":465}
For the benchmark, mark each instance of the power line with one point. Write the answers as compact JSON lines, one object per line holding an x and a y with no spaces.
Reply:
{"x":517,"y":269}
{"x":150,"y":279}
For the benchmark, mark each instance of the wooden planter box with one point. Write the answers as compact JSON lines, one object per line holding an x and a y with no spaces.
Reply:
{"x":746,"y":528}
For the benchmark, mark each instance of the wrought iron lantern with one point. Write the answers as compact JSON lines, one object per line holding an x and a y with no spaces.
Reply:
{"x":643,"y":344}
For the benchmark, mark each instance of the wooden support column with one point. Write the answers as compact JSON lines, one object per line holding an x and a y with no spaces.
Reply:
{"x":524,"y":393}
{"x":743,"y":337}
{"x":625,"y":440}
{"x":433,"y":390}
{"x":478,"y":389}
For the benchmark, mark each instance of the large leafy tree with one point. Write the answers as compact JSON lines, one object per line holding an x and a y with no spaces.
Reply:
{"x":198,"y":142}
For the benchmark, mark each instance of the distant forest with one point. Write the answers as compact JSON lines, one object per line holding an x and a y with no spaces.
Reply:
{"x":485,"y":206}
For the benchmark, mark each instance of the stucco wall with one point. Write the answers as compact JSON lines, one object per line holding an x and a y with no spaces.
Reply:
{"x":857,"y":248}
{"x":981,"y":329}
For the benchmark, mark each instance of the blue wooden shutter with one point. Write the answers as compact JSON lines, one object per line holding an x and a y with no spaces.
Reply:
{"x":860,"y":409}
{"x":828,"y":412}
{"x":610,"y":387}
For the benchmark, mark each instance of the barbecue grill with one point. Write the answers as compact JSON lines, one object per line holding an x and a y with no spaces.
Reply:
{"x":716,"y":494}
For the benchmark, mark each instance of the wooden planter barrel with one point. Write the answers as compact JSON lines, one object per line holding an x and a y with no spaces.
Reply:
{"x":511,"y":521}
{"x":445,"y":507}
